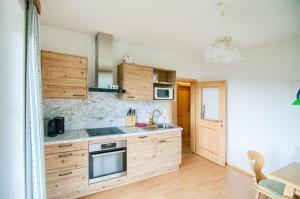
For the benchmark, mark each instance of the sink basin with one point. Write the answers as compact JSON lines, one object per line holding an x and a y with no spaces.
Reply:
{"x":160,"y":126}
{"x":165,"y":126}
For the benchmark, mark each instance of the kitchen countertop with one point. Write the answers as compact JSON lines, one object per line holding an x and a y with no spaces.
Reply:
{"x":82,"y":135}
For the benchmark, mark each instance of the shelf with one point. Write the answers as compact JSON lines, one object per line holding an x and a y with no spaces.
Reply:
{"x":106,"y":90}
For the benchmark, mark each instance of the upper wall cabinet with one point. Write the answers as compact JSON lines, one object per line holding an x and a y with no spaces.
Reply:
{"x":64,"y":76}
{"x":136,"y":80}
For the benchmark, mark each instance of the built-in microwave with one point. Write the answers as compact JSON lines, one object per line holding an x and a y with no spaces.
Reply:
{"x":161,"y":93}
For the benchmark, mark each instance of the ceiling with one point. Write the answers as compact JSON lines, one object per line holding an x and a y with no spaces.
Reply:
{"x":185,"y":27}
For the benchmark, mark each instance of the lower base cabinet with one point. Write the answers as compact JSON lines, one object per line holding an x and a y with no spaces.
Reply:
{"x":147,"y":156}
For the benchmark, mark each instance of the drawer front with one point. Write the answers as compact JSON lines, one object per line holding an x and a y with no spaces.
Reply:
{"x":167,"y":135}
{"x":54,"y":176}
{"x":67,"y":188}
{"x":66,"y":161}
{"x":140,"y":138}
{"x":58,"y":148}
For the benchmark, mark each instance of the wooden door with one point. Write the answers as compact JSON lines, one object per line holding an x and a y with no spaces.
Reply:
{"x":211,"y":121}
{"x":183,"y":115}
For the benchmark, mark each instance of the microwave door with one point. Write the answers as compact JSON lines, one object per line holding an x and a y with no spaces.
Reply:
{"x":163,"y":93}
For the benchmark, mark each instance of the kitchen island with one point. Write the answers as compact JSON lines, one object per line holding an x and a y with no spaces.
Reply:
{"x":146,"y":153}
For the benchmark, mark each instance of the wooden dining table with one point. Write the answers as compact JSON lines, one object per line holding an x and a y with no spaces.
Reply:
{"x":290,"y":176}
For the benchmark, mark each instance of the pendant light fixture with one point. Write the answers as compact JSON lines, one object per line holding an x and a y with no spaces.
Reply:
{"x":223,"y":50}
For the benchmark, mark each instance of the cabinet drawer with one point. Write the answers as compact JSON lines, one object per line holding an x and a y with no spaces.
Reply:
{"x":140,"y":138}
{"x":67,"y":188}
{"x":66,"y":174}
{"x":168,"y":135}
{"x":58,"y":148}
{"x":66,"y":161}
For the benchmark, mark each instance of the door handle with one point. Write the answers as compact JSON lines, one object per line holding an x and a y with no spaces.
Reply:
{"x":143,"y":136}
{"x":65,"y":174}
{"x":65,"y":155}
{"x":162,"y":141}
{"x":64,"y":145}
{"x":109,"y":153}
{"x":78,"y":95}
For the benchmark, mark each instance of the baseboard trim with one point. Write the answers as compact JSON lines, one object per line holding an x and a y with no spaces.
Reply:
{"x":239,"y":170}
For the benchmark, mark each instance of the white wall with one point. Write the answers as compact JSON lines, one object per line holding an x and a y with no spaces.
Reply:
{"x":83,"y":44}
{"x":260,"y":114}
{"x":12,"y":106}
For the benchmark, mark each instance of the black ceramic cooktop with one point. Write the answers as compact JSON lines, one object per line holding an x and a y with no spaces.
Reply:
{"x":104,"y":131}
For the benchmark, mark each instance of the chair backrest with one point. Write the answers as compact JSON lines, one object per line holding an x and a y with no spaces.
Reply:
{"x":256,"y":162}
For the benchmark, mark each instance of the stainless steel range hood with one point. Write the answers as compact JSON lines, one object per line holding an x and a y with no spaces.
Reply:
{"x":104,"y":60}
{"x":104,"y":63}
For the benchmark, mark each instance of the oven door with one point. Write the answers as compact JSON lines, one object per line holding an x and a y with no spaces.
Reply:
{"x":164,"y":93}
{"x":108,"y":164}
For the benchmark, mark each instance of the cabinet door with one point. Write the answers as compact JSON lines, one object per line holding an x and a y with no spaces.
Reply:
{"x":168,"y":150}
{"x":141,"y":156}
{"x":64,"y":76}
{"x":137,"y":81}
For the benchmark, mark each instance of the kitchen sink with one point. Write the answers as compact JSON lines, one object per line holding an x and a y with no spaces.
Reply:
{"x":165,"y":126}
{"x":160,"y":127}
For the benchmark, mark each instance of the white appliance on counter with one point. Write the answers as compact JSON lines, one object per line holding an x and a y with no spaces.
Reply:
{"x":161,"y":93}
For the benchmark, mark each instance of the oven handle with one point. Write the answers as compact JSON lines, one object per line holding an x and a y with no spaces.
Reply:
{"x":109,"y":153}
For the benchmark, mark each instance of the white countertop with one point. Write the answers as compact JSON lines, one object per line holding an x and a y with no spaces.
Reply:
{"x":82,"y":135}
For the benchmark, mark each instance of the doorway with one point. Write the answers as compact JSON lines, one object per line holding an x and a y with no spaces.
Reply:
{"x":183,"y":114}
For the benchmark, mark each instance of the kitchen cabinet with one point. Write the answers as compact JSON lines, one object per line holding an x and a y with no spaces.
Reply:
{"x":66,"y":169}
{"x":149,"y":155}
{"x":136,"y":80}
{"x":64,"y":76}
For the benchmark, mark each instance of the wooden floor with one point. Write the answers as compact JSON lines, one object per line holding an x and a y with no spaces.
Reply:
{"x":186,"y":143}
{"x":197,"y":178}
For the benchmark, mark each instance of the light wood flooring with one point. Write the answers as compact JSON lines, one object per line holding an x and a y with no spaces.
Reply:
{"x":186,"y":143}
{"x":197,"y":178}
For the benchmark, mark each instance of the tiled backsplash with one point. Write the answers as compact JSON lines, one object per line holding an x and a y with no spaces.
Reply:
{"x":102,"y":110}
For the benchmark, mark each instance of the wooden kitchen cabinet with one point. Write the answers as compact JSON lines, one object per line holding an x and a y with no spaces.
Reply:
{"x":66,"y":168}
{"x":152,"y":154}
{"x":64,"y":76}
{"x":136,"y":80}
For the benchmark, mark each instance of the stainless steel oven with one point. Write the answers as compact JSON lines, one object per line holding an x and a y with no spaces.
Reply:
{"x":107,"y":161}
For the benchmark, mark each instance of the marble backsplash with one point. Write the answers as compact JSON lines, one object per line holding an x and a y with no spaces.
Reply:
{"x":102,"y":110}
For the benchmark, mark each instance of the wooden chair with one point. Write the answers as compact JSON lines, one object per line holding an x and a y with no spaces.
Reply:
{"x":264,"y":186}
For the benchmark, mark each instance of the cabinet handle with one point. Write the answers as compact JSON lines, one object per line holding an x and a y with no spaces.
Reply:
{"x":65,"y":155}
{"x":162,"y":140}
{"x":64,"y":145}
{"x":130,"y":96}
{"x":78,"y":95}
{"x":65,"y":174}
{"x":143,"y":136}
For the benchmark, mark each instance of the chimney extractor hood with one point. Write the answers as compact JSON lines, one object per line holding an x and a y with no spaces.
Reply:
{"x":104,"y":64}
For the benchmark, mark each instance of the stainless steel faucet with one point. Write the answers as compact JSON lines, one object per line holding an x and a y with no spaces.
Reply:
{"x":151,"y":122}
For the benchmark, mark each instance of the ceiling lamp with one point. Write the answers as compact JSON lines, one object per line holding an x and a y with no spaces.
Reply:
{"x":223,"y":50}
